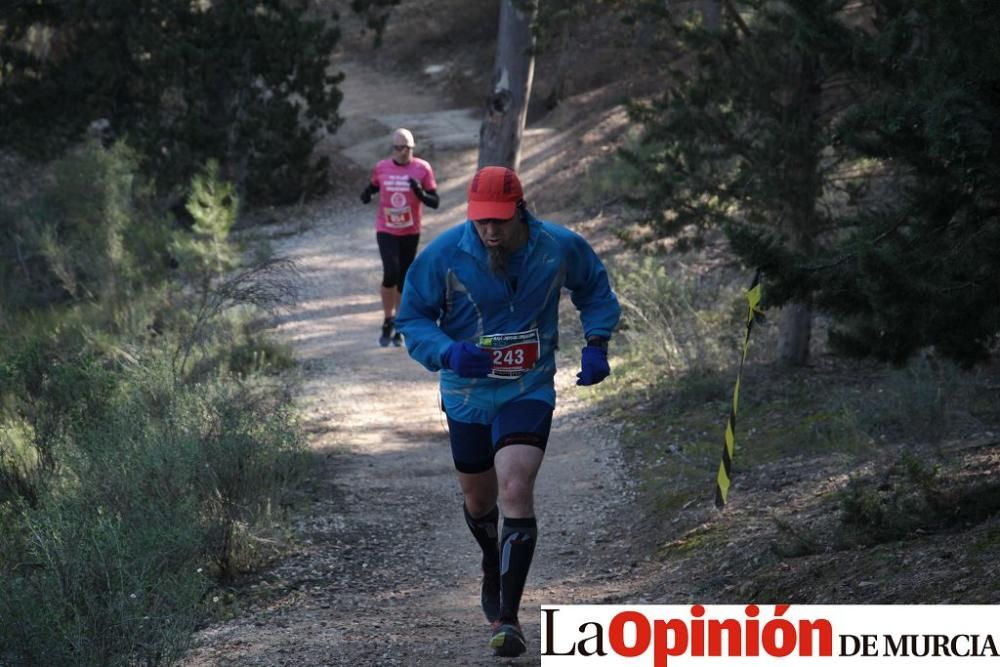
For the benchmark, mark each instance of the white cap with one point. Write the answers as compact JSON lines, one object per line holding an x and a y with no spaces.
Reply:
{"x":402,"y":136}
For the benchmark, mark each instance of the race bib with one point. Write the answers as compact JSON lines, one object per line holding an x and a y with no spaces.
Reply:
{"x":398,"y":218}
{"x":398,"y":214}
{"x":514,"y":354}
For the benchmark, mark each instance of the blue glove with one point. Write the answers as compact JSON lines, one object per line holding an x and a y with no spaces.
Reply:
{"x":467,"y":360}
{"x":593,"y":366}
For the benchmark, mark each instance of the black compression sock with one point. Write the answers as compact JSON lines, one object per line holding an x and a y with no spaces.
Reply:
{"x":517,"y":546}
{"x":484,"y":529}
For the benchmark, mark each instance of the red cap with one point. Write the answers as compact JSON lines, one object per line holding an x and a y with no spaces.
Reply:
{"x":494,"y":193}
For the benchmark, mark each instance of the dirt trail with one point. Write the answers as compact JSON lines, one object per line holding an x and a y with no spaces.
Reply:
{"x":385,"y":571}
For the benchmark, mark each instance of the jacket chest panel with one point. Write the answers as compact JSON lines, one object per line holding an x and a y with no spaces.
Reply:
{"x":494,"y":293}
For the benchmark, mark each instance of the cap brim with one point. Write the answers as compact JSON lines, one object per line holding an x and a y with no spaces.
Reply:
{"x":492,"y":210}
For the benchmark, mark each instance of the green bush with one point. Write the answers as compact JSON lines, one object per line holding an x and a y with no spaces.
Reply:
{"x":923,"y":402}
{"x":98,"y":586}
{"x":610,"y":181}
{"x":667,"y":328}
{"x":85,"y":230}
{"x":170,"y":485}
{"x":910,"y":496}
{"x":51,"y":386}
{"x":106,"y":570}
{"x":246,"y":462}
{"x":127,"y":478}
{"x":224,"y":290}
{"x":255,"y":354}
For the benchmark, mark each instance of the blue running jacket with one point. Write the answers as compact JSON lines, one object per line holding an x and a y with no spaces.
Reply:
{"x":450,"y":294}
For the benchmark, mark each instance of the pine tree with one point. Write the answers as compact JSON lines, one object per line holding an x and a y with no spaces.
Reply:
{"x":853,"y":154}
{"x":205,"y":252}
{"x":741,"y":137}
{"x":920,"y":268}
{"x":183,"y":82}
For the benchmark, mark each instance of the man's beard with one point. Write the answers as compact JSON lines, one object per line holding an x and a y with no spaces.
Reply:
{"x":498,"y":255}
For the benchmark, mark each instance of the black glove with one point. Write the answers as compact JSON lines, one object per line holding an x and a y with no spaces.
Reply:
{"x":366,"y":194}
{"x":428,"y":197}
{"x":417,"y":189}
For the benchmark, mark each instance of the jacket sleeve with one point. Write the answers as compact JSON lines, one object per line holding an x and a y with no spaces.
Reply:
{"x":420,"y":309}
{"x":587,"y":281}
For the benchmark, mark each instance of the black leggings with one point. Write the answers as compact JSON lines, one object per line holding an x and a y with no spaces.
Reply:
{"x":397,"y":254}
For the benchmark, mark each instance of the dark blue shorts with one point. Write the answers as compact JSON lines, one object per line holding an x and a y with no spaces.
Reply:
{"x":524,"y":422}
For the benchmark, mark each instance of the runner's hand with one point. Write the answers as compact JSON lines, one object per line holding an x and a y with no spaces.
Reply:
{"x":366,"y":195}
{"x":428,"y":197}
{"x":593,"y":366}
{"x":417,"y":190}
{"x":467,"y":360}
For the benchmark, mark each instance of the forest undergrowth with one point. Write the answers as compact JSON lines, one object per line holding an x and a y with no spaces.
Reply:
{"x":853,"y":481}
{"x":147,"y":435}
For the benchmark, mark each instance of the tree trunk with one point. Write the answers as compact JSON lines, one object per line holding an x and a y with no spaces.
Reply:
{"x":794,"y":333}
{"x":802,"y":176}
{"x":507,"y":104}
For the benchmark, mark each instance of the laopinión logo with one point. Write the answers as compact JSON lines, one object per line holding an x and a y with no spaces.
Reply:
{"x":631,"y":633}
{"x":830,"y":634}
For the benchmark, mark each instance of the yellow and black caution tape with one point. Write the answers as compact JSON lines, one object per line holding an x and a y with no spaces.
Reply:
{"x":725,"y":467}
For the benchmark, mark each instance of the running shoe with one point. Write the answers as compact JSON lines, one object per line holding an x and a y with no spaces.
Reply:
{"x":397,"y":339}
{"x":489,"y":595}
{"x":386,"y":336}
{"x":508,"y":640}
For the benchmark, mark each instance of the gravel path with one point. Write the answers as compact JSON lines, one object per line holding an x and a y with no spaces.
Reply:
{"x":385,"y":571}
